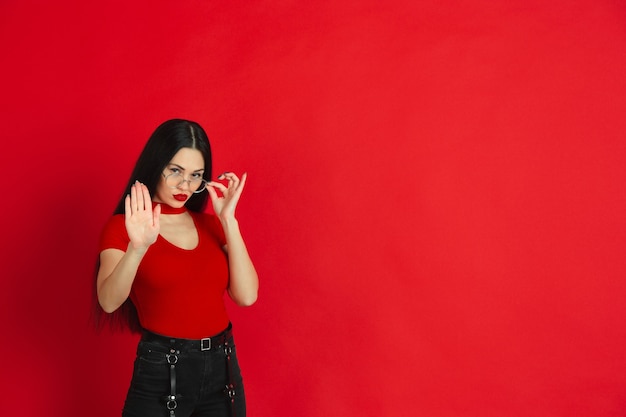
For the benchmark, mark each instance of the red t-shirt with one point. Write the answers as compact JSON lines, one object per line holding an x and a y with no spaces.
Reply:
{"x":179,"y":292}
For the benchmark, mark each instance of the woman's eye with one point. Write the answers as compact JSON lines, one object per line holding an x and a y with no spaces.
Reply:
{"x":196,"y":176}
{"x":175,"y":171}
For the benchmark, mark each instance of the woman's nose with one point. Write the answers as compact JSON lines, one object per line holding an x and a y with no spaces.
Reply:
{"x":184,"y":184}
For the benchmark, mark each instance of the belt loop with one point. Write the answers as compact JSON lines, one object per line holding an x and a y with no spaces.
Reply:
{"x":171,"y":399}
{"x":230,"y":387}
{"x":205,"y":344}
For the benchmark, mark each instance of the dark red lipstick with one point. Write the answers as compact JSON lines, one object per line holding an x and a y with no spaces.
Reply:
{"x":180,"y":197}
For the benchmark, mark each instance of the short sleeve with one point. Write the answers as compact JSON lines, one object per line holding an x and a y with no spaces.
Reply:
{"x":114,"y":234}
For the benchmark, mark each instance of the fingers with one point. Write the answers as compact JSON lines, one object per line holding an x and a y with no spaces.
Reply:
{"x":147,"y":202}
{"x":127,"y":210}
{"x":230,"y":177}
{"x":133,"y":198}
{"x":138,"y":199}
{"x":218,"y":185}
{"x":156,"y":216}
{"x":243,"y":180}
{"x":212,"y":193}
{"x":225,"y":175}
{"x":233,"y":180}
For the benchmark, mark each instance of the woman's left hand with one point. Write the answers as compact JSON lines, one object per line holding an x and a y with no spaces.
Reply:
{"x":225,"y":205}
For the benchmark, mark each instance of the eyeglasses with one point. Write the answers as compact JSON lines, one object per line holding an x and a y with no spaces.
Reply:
{"x":176,"y":179}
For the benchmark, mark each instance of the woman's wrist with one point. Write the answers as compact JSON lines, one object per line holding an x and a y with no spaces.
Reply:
{"x":139,"y":250}
{"x":228,"y":221}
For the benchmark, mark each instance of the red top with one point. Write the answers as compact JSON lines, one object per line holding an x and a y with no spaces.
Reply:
{"x":178,"y":292}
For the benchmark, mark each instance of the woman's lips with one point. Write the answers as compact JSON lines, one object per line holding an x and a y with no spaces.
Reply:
{"x":180,"y":197}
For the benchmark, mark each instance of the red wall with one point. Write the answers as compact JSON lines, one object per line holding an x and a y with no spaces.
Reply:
{"x":435,"y":201}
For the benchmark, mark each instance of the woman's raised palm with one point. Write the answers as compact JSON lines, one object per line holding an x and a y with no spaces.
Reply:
{"x":142,"y":221}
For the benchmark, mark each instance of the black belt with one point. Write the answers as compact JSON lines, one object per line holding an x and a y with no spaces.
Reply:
{"x":207,"y":343}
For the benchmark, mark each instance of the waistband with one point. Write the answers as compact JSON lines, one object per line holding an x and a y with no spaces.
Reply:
{"x":207,"y":343}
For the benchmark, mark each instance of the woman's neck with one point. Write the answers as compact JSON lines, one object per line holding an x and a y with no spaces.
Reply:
{"x":165,"y":209}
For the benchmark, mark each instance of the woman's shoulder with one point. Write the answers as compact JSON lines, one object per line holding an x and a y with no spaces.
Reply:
{"x":211,"y":223}
{"x":114,"y":233}
{"x":116,"y":221}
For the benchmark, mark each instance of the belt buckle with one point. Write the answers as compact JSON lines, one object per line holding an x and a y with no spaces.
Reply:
{"x":205,"y":344}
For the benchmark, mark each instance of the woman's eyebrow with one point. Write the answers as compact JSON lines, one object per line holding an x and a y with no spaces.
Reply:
{"x":183,"y":169}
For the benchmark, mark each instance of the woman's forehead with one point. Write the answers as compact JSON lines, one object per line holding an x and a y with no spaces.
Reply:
{"x":188,"y":159}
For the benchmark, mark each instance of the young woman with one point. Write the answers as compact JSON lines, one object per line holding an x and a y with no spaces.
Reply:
{"x":164,"y":267}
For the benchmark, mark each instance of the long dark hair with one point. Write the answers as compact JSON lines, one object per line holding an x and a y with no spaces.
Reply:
{"x":170,"y":137}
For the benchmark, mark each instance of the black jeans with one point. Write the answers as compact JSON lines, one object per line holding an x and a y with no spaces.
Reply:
{"x":205,"y":380}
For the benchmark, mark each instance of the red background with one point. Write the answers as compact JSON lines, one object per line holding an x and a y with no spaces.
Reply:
{"x":435,"y":201}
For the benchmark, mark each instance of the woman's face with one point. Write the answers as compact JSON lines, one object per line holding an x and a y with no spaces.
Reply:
{"x":187,"y":165}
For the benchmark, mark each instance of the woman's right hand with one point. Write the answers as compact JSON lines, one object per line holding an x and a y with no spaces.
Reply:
{"x":142,"y":222}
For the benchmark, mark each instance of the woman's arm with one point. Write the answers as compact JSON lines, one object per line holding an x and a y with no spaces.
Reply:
{"x":118,"y":268}
{"x":116,"y":275}
{"x":244,"y":281}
